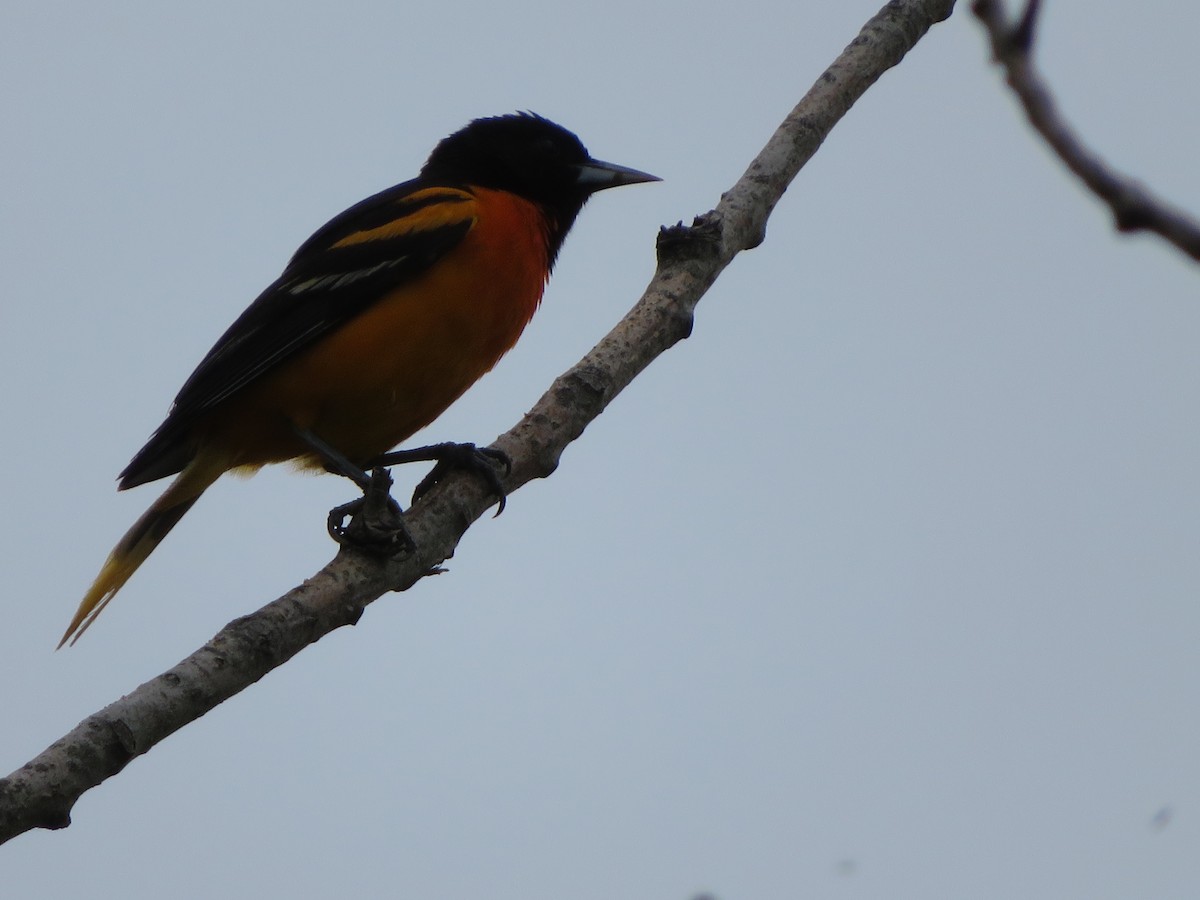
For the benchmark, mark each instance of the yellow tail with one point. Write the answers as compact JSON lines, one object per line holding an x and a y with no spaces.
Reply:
{"x":139,"y":542}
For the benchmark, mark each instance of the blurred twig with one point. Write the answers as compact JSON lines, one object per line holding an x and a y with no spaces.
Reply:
{"x":1134,"y":208}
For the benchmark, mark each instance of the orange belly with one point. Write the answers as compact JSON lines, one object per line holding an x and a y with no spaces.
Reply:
{"x":395,"y":367}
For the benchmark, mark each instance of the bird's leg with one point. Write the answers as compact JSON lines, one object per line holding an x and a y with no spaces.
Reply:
{"x":448,"y":457}
{"x":376,"y":520}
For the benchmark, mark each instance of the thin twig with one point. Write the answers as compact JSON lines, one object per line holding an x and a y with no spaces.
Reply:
{"x":1134,"y":208}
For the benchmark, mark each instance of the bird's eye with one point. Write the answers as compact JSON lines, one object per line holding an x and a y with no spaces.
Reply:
{"x":546,"y":147}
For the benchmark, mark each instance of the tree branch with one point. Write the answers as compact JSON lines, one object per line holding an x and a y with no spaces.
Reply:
{"x":1134,"y":208}
{"x":42,"y":793}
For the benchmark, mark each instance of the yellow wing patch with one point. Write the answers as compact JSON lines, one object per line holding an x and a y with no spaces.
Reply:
{"x":423,"y":210}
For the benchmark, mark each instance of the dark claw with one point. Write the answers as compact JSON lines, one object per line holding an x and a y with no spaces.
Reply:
{"x":480,"y":460}
{"x":376,"y":521}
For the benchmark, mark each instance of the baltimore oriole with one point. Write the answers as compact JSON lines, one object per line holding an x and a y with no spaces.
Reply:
{"x":380,"y":321}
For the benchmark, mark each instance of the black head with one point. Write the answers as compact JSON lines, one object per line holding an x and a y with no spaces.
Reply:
{"x":530,"y":156}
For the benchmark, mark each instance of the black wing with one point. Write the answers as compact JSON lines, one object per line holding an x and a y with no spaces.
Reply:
{"x":346,"y":266}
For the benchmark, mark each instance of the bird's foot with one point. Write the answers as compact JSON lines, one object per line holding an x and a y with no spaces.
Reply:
{"x":483,"y":461}
{"x":376,"y":521}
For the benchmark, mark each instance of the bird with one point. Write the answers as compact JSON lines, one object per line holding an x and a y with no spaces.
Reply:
{"x":379,"y":321}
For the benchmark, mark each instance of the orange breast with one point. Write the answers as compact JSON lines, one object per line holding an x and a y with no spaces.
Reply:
{"x":393,"y":369}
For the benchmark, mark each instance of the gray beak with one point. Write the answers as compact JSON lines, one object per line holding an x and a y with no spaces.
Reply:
{"x":595,"y":175}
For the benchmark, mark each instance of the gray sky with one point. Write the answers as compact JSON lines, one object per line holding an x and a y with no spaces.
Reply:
{"x":884,"y":584}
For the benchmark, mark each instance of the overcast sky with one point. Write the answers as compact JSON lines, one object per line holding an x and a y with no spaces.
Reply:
{"x":883,"y":584}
